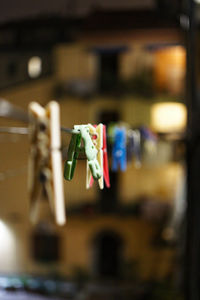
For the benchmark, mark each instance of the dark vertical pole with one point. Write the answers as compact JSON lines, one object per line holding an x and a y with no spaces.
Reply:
{"x":192,"y":283}
{"x":191,"y":59}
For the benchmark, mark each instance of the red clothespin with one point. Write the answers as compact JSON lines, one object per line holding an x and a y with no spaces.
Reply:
{"x":105,"y":160}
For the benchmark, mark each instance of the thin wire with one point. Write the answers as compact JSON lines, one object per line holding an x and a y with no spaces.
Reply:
{"x":25,"y":130}
{"x":14,"y":130}
{"x":8,"y":110}
{"x":69,"y":130}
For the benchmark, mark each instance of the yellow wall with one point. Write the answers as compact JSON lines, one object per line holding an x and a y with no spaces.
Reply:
{"x":136,"y":234}
{"x":135,"y":59}
{"x":74,"y":62}
{"x":155,"y":181}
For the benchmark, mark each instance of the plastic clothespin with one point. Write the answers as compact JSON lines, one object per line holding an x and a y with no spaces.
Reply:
{"x":90,"y":151}
{"x":148,"y":134}
{"x":83,"y":133}
{"x":105,"y":161}
{"x":150,"y":140}
{"x":111,"y":130}
{"x":135,"y":144}
{"x":45,"y":162}
{"x":119,"y":150}
{"x":72,"y":156}
{"x":130,"y":145}
{"x":96,"y":132}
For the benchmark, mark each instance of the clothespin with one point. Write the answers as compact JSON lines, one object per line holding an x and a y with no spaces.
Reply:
{"x":90,"y":151}
{"x":111,"y":132}
{"x":72,"y":156}
{"x":105,"y":159}
{"x":99,"y":140}
{"x":130,"y":145}
{"x":45,"y":163}
{"x":96,"y":132}
{"x":148,"y":134}
{"x":150,"y":140}
{"x":119,"y":150}
{"x":135,"y":141}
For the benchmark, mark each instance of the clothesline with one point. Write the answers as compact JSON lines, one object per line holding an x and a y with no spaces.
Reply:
{"x":25,"y":130}
{"x":14,"y":130}
{"x":45,"y":156}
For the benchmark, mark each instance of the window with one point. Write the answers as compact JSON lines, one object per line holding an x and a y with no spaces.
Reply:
{"x":45,"y":245}
{"x":108,"y":254}
{"x":108,"y":72}
{"x":108,"y":69}
{"x":12,"y":69}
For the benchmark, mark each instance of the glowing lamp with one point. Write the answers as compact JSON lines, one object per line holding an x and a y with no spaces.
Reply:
{"x":168,"y":117}
{"x":34,"y":67}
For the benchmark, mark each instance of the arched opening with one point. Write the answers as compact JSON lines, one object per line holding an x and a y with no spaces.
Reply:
{"x":108,"y":256}
{"x":45,"y":244}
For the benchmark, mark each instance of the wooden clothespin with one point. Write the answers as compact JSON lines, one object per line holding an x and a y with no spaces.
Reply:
{"x":101,"y":144}
{"x":45,"y":163}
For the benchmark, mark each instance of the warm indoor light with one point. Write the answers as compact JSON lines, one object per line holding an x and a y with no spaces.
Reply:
{"x":169,"y":69}
{"x":168,"y":117}
{"x":34,"y":66}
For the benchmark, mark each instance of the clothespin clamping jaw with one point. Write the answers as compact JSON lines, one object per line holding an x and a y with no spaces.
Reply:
{"x":82,"y":132}
{"x":45,"y":163}
{"x":119,"y":150}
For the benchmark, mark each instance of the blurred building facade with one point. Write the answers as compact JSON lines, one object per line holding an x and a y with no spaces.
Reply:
{"x":105,"y":75}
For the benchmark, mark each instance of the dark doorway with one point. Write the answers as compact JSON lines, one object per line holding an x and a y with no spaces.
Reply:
{"x":108,"y":254}
{"x":108,"y":72}
{"x":45,"y":244}
{"x":108,"y":197}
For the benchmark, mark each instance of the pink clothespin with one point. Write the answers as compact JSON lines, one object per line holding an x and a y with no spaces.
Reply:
{"x":105,"y":160}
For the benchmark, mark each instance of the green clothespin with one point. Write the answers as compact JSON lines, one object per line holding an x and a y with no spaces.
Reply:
{"x":72,"y":155}
{"x":90,"y":151}
{"x":82,"y":131}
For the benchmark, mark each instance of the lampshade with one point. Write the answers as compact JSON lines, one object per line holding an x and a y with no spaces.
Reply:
{"x":168,"y":117}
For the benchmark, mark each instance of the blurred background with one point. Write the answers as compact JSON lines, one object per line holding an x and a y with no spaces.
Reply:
{"x":127,"y":61}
